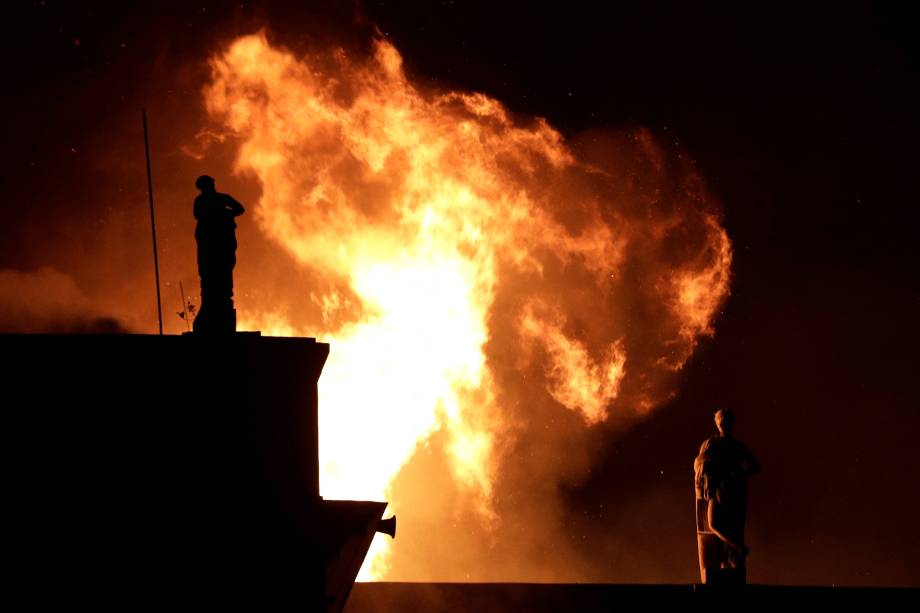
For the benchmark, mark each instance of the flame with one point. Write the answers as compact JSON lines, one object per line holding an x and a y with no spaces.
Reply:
{"x":423,"y":210}
{"x":575,"y":380}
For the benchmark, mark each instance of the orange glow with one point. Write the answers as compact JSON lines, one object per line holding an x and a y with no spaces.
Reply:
{"x":420,"y":206}
{"x":574,"y":379}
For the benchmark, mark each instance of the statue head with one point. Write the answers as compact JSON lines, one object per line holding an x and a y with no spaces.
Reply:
{"x":725,"y":421}
{"x":205,"y":183}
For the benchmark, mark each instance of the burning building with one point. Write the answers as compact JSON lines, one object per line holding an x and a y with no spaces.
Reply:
{"x":499,"y":296}
{"x":501,"y":293}
{"x":164,"y":469}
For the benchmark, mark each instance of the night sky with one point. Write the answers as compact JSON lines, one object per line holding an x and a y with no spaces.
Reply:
{"x":803,"y":121}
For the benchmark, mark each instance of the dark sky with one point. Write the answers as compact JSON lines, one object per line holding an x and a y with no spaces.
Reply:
{"x":804,"y":122}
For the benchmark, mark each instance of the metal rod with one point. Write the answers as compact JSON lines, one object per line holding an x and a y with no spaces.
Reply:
{"x":153,"y":223}
{"x":185,"y":313}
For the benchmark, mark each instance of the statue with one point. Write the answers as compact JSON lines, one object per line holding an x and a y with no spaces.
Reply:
{"x":721,"y":471}
{"x":216,"y":237}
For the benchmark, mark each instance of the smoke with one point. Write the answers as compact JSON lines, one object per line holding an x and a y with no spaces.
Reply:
{"x":499,"y":299}
{"x":49,"y":301}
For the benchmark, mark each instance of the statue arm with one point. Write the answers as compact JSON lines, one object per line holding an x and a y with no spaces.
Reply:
{"x":235,"y":208}
{"x":715,"y":517}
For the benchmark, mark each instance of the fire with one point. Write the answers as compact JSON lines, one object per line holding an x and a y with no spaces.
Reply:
{"x":574,"y":379}
{"x":424,"y":210}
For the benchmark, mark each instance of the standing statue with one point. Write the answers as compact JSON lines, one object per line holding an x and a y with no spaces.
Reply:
{"x":216,"y":237}
{"x":721,"y":471}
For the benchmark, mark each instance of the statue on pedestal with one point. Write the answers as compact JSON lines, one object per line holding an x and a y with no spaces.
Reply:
{"x":721,"y":471}
{"x":216,"y":237}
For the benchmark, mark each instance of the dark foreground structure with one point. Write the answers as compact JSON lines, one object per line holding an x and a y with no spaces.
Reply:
{"x":551,"y":597}
{"x":174,"y":471}
{"x":171,"y":472}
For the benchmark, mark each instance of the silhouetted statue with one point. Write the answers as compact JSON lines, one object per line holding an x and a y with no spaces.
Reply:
{"x":721,"y":471}
{"x":216,"y":237}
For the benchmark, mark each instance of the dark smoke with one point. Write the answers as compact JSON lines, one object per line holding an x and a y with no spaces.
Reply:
{"x":48,"y":301}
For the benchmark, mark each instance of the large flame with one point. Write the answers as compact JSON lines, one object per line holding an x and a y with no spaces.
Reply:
{"x":460,"y":244}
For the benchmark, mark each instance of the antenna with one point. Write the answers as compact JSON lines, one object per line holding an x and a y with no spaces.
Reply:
{"x":184,"y":314}
{"x":153,"y":223}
